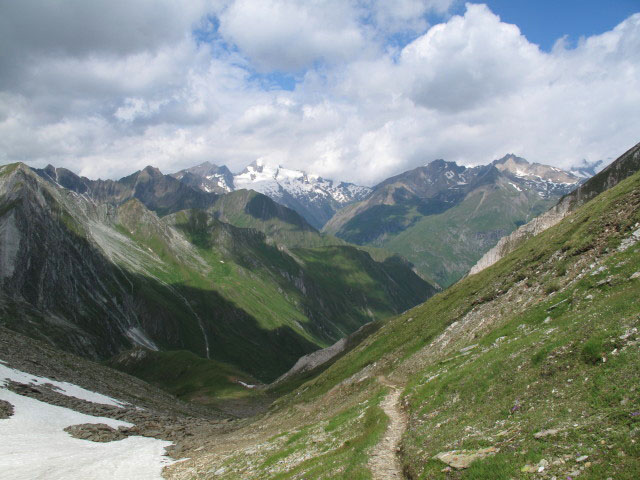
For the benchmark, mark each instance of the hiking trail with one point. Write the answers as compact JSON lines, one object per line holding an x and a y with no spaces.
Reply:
{"x":384,"y":462}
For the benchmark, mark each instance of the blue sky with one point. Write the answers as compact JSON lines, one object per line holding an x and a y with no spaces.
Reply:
{"x":544,"y":21}
{"x":354,"y":90}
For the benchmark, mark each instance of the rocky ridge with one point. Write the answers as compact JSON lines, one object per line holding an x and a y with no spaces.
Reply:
{"x":624,"y":166}
{"x":443,"y":217}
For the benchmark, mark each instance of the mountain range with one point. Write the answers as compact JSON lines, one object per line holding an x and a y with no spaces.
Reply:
{"x":99,"y":267}
{"x":525,"y":369}
{"x":313,"y":197}
{"x":443,"y":217}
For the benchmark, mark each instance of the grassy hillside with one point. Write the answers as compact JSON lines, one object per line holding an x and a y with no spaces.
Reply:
{"x":194,"y":379}
{"x":444,"y":239}
{"x":534,"y":358}
{"x":294,"y":300}
{"x":249,"y":209}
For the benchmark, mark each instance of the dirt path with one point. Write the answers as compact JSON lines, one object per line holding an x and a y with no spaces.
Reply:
{"x":384,"y":462}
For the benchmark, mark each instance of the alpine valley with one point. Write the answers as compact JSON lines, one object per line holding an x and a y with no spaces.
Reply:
{"x":146,"y":315}
{"x":442,"y":217}
{"x":99,"y":267}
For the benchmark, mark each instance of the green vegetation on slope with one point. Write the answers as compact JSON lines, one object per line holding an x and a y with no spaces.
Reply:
{"x":192,"y":378}
{"x":249,"y":209}
{"x":543,"y":342}
{"x":444,"y":246}
{"x":289,"y":302}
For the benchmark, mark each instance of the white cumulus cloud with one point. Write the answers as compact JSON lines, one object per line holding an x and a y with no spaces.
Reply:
{"x":106,"y":88}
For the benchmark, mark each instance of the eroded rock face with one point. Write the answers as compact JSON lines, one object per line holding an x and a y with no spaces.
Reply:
{"x":510,"y":242}
{"x":6,"y":410}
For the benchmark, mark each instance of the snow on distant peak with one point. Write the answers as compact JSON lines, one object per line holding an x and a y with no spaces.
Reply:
{"x":535,"y":172}
{"x":587,"y":169}
{"x":277,"y":181}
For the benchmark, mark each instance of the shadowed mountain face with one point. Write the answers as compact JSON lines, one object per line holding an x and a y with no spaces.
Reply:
{"x":443,"y":217}
{"x":161,"y":193}
{"x":90,"y":267}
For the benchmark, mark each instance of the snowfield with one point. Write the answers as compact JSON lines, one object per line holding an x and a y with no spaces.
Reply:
{"x":64,"y":388}
{"x":34,"y":445}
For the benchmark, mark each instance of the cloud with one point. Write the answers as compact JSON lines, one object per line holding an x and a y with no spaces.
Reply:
{"x":458,"y":65}
{"x":469,"y":89}
{"x":290,"y":35}
{"x":404,"y":15}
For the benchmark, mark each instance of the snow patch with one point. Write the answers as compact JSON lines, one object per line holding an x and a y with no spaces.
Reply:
{"x":246,"y":385}
{"x":65,"y":388}
{"x":275,"y":181}
{"x":40,"y":448}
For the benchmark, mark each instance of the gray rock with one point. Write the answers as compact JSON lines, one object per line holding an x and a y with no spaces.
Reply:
{"x":461,"y":459}
{"x":546,"y":433}
{"x":95,"y":432}
{"x":6,"y":410}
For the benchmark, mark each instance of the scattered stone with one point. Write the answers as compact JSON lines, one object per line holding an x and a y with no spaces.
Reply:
{"x":6,"y":410}
{"x":635,"y":275}
{"x":95,"y":432}
{"x":470,"y":347}
{"x":629,"y":241}
{"x":547,"y":320}
{"x":460,"y":459}
{"x":582,"y":458}
{"x":542,"y":465}
{"x":529,"y":469}
{"x":546,"y":433}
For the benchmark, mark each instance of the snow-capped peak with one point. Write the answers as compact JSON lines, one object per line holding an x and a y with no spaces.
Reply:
{"x":536,"y":172}
{"x":312,"y":196}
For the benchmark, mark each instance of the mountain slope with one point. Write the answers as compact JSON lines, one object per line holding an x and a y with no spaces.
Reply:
{"x":249,"y":209}
{"x":161,"y":193}
{"x":528,"y":367}
{"x":207,"y":177}
{"x":97,"y":277}
{"x":624,"y":166}
{"x":443,"y":217}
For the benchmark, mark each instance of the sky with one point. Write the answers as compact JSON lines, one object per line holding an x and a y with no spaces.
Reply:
{"x":354,"y":90}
